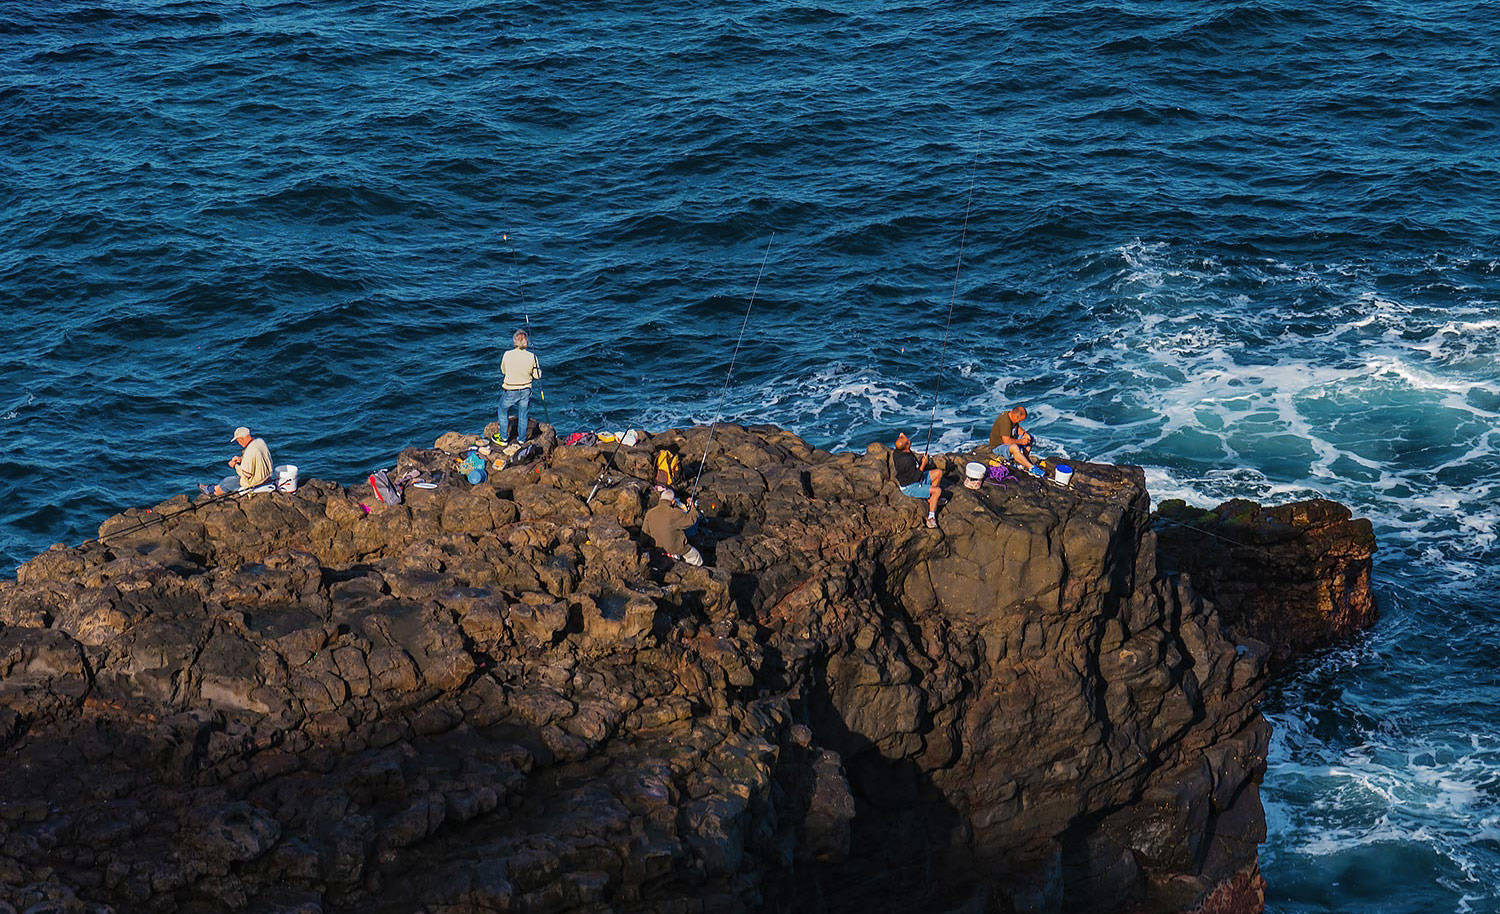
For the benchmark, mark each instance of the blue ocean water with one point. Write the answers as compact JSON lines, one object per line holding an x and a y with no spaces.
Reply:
{"x":1251,"y":246}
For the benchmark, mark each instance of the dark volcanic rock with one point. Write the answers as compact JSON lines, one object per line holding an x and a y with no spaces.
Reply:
{"x":1296,"y":577}
{"x":489,"y":699}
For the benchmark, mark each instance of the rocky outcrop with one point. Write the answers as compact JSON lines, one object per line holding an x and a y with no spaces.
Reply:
{"x":491,"y":699}
{"x":1295,"y":577}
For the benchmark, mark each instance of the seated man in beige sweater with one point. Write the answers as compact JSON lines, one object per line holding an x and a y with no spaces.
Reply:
{"x":252,"y":467}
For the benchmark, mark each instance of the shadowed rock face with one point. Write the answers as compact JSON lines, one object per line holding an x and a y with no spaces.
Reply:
{"x":1296,"y":577}
{"x":488,"y":699}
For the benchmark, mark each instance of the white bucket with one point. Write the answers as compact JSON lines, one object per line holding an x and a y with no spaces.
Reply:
{"x":974,"y":475}
{"x":286,"y":477}
{"x":1062,"y":474}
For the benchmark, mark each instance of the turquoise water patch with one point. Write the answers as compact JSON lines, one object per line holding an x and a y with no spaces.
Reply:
{"x":1195,"y":445}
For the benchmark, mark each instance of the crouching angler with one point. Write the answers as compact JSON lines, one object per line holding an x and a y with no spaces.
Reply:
{"x":666,"y":524}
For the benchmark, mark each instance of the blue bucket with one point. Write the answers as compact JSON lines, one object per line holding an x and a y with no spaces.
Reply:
{"x":477,"y":476}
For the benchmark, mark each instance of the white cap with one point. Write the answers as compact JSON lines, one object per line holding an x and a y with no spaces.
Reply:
{"x":667,"y":494}
{"x":240,"y":432}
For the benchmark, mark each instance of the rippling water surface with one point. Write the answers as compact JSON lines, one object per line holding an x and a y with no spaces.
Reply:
{"x":1249,"y":246}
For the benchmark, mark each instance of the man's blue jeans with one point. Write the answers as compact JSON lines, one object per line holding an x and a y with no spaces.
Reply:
{"x":519,"y":402}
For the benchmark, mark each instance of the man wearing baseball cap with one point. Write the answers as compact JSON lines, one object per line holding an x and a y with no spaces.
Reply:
{"x":252,"y":467}
{"x":665,"y":526}
{"x":917,"y":478}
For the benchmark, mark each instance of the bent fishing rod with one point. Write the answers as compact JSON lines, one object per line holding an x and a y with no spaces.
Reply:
{"x":515,"y":284}
{"x":724,"y":397}
{"x":952,"y":297}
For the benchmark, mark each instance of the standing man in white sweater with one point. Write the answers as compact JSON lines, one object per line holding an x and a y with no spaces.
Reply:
{"x":521,"y":368}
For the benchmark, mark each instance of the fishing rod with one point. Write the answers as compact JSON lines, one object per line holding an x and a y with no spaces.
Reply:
{"x":724,"y":397}
{"x":157,"y":520}
{"x":604,"y":470}
{"x":952,"y":297}
{"x":505,"y":236}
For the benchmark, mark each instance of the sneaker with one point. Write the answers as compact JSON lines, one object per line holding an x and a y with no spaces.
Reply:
{"x":931,"y":521}
{"x":205,"y":489}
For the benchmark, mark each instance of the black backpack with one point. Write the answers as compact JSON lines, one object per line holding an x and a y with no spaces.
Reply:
{"x":526,"y":454}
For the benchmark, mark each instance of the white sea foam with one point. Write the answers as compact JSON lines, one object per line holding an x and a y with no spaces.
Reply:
{"x":1374,"y":399}
{"x":14,"y":412}
{"x":1273,"y":419}
{"x":1391,"y":780}
{"x":1225,"y":381}
{"x":1377,"y":794}
{"x":851,"y":406}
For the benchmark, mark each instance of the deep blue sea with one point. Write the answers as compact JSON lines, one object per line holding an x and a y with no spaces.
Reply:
{"x":1250,"y":246}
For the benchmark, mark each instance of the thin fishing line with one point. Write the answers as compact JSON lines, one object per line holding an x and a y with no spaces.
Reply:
{"x":515,"y":280}
{"x":526,"y":312}
{"x":953,"y":297}
{"x":1262,"y":549}
{"x":724,"y":397}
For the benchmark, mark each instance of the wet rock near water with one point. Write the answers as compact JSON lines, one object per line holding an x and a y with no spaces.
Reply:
{"x":1295,"y":577}
{"x":491,"y":699}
